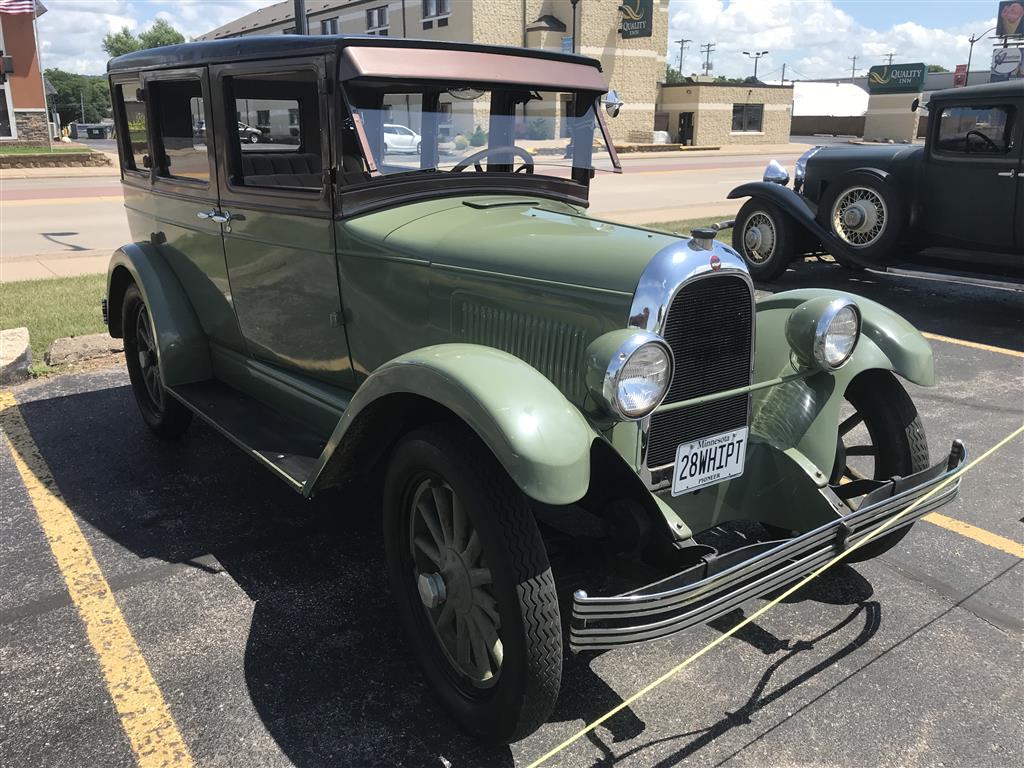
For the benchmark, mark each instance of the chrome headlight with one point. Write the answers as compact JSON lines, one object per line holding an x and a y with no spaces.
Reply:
{"x":775,"y":173}
{"x":628,"y":372}
{"x":801,"y":167}
{"x":823,"y":332}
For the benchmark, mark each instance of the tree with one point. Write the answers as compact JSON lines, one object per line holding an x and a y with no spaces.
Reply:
{"x":73,"y":90}
{"x":123,"y":41}
{"x":937,"y":68}
{"x":674,"y":77}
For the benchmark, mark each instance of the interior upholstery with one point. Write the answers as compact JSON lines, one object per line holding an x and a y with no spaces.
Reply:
{"x":281,"y":169}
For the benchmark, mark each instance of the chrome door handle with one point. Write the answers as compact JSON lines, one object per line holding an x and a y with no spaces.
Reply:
{"x":219,"y":217}
{"x":207,"y":214}
{"x":1009,"y":174}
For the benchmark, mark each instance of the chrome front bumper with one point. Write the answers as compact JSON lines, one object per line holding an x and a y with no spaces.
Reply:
{"x":718,"y":584}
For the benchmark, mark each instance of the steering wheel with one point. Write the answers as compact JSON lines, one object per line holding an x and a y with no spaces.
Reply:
{"x":991,"y":145}
{"x":476,"y":157}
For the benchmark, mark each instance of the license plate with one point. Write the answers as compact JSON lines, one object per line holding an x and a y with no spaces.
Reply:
{"x":709,"y":460}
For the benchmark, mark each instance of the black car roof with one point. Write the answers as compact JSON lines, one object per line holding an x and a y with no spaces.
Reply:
{"x":281,"y":46}
{"x":1003,"y":90}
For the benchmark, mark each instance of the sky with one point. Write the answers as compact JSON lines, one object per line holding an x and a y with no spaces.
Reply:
{"x":814,"y":38}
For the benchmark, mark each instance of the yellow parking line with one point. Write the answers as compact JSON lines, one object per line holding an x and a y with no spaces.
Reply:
{"x":993,"y":540}
{"x":61,"y":201}
{"x":146,"y":720}
{"x":974,"y":345}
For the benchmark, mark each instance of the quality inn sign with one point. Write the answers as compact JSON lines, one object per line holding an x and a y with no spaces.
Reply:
{"x":896,"y":78}
{"x":637,"y":18}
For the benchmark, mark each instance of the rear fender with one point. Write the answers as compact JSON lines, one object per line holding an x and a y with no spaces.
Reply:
{"x":803,"y":413}
{"x":800,"y":209}
{"x":182,"y":346}
{"x":538,"y":436}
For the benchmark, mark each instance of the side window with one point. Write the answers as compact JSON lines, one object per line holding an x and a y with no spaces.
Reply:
{"x":285,"y":109}
{"x":180,"y":130}
{"x":131,"y":118}
{"x":983,"y":130}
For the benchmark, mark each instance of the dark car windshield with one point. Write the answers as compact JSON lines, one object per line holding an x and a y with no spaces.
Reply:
{"x":442,"y":127}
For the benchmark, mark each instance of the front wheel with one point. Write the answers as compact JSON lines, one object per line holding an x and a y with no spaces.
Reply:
{"x":162,"y":413}
{"x":867,"y":213}
{"x":471,"y":577}
{"x":766,"y":237}
{"x":880,"y":435}
{"x":254,"y":138}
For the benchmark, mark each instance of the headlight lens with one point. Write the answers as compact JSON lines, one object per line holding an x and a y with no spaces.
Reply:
{"x":840,"y":337}
{"x":801,"y":167}
{"x":643,"y":379}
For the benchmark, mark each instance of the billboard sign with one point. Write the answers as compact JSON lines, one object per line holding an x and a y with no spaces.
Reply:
{"x":1010,"y":20}
{"x":1007,"y":64}
{"x":960,"y":76}
{"x":897,"y":78}
{"x":637,"y":18}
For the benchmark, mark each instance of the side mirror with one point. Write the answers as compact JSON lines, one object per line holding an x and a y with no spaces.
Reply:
{"x":612,"y":103}
{"x":914,"y":105}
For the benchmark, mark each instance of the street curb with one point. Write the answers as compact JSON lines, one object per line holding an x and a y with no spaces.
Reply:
{"x":76,"y":349}
{"x":15,"y":355}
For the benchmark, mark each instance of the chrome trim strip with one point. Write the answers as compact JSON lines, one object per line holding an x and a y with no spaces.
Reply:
{"x":672,"y":610}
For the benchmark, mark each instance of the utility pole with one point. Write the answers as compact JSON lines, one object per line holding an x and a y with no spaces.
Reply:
{"x":756,"y":56}
{"x":81,"y":95}
{"x":890,"y":56}
{"x":707,"y":49}
{"x":853,"y":67}
{"x":783,"y":81}
{"x":682,"y":47}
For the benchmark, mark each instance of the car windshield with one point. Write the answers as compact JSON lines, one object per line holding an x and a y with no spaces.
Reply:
{"x":454,"y":127}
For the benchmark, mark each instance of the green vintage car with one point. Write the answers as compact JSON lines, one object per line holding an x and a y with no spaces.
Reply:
{"x":452,"y":328}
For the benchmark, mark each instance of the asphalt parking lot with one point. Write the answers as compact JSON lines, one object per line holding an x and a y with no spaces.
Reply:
{"x":266,"y":627}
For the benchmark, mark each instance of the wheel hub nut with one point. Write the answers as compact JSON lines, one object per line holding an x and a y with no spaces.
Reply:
{"x":752,"y":238}
{"x":432,"y":590}
{"x":853,"y":217}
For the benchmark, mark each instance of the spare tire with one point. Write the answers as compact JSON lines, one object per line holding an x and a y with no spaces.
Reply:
{"x":868,"y":214}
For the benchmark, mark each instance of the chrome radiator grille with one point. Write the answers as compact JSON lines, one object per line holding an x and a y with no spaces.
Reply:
{"x":710,"y":328}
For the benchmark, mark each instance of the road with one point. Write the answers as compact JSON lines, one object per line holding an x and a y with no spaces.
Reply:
{"x":69,"y":217}
{"x":266,"y":628}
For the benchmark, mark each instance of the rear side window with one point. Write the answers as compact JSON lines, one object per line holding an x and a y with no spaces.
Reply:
{"x":134,"y":128}
{"x":279,"y":145}
{"x":180,"y":129}
{"x":976,"y":130}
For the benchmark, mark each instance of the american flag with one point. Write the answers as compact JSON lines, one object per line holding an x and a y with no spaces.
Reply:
{"x":17,"y":6}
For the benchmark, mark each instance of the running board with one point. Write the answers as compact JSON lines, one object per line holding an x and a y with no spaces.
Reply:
{"x":286,"y":446}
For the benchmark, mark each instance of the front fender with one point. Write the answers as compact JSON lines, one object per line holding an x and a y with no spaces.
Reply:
{"x":182,"y":347}
{"x":803,"y":412}
{"x":798,"y":207}
{"x":538,"y":436}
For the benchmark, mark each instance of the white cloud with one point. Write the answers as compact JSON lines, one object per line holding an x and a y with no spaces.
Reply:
{"x":814,"y":38}
{"x":71,"y":32}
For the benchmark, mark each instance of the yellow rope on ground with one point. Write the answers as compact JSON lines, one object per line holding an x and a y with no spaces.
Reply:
{"x":769,"y":605}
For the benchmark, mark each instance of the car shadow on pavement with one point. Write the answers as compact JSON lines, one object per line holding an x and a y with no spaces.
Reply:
{"x":325,"y":664}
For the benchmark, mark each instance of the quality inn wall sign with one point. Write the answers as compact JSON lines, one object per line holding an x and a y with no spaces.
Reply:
{"x":637,"y":18}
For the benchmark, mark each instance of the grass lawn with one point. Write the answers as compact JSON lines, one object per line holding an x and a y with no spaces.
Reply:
{"x":50,"y":309}
{"x":683,"y":227}
{"x":58,"y":149}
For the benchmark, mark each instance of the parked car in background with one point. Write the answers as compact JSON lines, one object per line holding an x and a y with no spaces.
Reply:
{"x":957,"y":200}
{"x":249,"y":134}
{"x":501,"y":369}
{"x":400,"y":140}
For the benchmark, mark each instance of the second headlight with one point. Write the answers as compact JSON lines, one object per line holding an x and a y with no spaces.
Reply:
{"x":629,"y":372}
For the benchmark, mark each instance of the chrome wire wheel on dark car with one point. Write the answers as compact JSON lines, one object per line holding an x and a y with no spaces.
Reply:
{"x":161,"y":412}
{"x":454,"y":583}
{"x":860,"y":216}
{"x":759,"y":238}
{"x":472,"y":583}
{"x":880,"y":436}
{"x":766,"y":238}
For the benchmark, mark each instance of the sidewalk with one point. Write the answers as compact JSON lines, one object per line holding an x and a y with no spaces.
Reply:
{"x":53,"y":265}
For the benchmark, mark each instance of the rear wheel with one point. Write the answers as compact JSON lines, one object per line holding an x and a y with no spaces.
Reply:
{"x":766,"y":237}
{"x":474,"y":588}
{"x":880,"y":435}
{"x":162,"y":413}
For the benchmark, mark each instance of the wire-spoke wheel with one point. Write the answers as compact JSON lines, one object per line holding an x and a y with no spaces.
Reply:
{"x":860,"y":216}
{"x":161,"y":412}
{"x":766,"y":237}
{"x":879,"y":436}
{"x":472,"y":582}
{"x":759,"y":238}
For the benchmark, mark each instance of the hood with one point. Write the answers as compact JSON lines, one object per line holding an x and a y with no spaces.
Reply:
{"x":529,"y":238}
{"x":866,"y":155}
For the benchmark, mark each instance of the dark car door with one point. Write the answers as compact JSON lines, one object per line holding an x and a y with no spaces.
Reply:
{"x":277,"y":198}
{"x":186,"y":197}
{"x":971,"y":176}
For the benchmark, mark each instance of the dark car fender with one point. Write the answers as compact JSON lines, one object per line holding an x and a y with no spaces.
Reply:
{"x":800,"y":209}
{"x":182,"y":346}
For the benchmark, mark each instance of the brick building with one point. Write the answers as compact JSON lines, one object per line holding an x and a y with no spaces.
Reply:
{"x":23,"y":117}
{"x":629,"y":37}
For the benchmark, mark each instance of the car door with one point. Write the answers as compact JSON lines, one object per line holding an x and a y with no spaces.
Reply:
{"x":186,"y":196}
{"x":970,"y":180}
{"x":277,"y":198}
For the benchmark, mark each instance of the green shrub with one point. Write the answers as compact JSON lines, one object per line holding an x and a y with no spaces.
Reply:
{"x":479,"y":137}
{"x":540,"y":128}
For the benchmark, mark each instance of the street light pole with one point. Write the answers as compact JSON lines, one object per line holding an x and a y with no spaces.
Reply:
{"x":756,"y":56}
{"x":574,"y":4}
{"x":972,"y":40}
